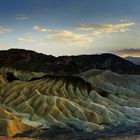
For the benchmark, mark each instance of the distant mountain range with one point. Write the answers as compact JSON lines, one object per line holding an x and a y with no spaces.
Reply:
{"x":135,"y":60}
{"x":27,"y":60}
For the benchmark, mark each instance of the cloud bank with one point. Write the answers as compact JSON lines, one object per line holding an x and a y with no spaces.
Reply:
{"x":86,"y":35}
{"x":128,"y":52}
{"x":65,"y":37}
{"x":107,"y":28}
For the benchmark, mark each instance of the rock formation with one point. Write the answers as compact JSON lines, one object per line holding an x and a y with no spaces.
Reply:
{"x":91,"y":101}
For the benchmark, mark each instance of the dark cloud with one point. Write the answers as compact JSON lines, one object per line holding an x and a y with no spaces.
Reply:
{"x":128,"y":52}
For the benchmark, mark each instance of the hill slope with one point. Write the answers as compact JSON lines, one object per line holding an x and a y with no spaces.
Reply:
{"x":35,"y":62}
{"x":135,"y":60}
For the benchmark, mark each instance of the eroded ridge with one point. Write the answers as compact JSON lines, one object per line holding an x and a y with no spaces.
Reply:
{"x":67,"y":101}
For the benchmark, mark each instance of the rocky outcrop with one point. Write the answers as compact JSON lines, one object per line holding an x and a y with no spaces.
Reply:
{"x":10,"y":124}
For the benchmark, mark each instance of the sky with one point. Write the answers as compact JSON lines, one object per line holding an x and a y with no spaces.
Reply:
{"x":71,"y":27}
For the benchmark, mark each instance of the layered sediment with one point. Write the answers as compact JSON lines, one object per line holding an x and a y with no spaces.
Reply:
{"x":90,"y":102}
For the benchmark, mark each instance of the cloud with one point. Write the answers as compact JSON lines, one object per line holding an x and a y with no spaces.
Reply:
{"x":40,"y":29}
{"x":106,"y":28}
{"x":4,"y":29}
{"x":125,"y":20}
{"x":65,"y":37}
{"x":28,"y":39}
{"x":128,"y":52}
{"x":93,"y":32}
{"x":22,"y":17}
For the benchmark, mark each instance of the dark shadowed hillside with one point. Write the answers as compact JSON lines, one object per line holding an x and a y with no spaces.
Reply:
{"x":32,"y":61}
{"x":135,"y":60}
